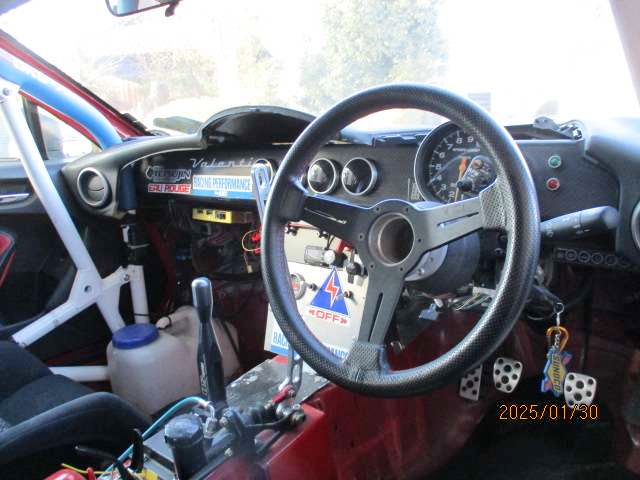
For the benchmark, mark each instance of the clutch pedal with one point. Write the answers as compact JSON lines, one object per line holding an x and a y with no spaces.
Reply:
{"x":470,"y":384}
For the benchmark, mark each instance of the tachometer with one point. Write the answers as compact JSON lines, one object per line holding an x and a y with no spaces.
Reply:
{"x":451,"y":165}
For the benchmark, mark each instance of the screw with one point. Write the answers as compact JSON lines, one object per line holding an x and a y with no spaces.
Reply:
{"x":126,"y":277}
{"x":6,"y":92}
{"x":297,"y":418}
{"x":228,"y":452}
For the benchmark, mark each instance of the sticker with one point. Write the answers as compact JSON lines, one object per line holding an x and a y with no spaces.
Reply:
{"x":169,"y":188}
{"x":280,"y":345}
{"x":328,"y":305}
{"x":160,"y":174}
{"x":555,"y":371}
{"x":230,"y":186}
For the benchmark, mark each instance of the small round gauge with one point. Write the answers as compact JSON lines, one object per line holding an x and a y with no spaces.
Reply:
{"x":359,"y":176}
{"x":451,"y":165}
{"x":268,"y":163}
{"x":298,"y":285}
{"x":322,"y":176}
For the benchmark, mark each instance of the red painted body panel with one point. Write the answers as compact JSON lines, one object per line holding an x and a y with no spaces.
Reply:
{"x":302,"y":453}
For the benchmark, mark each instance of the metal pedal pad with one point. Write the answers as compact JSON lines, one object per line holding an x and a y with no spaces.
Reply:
{"x":470,"y":384}
{"x":506,"y":374}
{"x":579,"y":389}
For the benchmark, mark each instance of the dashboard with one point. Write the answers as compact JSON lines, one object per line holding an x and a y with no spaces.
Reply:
{"x":575,"y":167}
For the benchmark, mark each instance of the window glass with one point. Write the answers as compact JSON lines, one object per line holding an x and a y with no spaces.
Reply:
{"x":60,"y":140}
{"x":518,"y":58}
{"x":8,"y":147}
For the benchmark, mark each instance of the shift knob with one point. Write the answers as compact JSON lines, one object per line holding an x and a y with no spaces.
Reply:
{"x":202,"y":298}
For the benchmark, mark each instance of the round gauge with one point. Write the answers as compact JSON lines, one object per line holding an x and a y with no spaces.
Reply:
{"x":359,"y":176}
{"x":268,"y":163}
{"x":451,"y":165}
{"x":298,"y":285}
{"x":322,"y":176}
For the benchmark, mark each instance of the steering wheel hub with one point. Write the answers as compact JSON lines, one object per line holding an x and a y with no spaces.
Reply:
{"x":391,"y":238}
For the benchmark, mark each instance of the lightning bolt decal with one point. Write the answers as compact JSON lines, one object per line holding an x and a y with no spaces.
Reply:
{"x":332,"y":289}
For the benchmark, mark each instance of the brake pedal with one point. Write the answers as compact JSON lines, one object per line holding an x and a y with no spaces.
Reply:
{"x":470,"y":384}
{"x":506,"y":374}
{"x":579,"y":389}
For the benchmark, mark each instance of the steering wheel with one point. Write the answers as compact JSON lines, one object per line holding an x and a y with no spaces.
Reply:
{"x":509,"y":204}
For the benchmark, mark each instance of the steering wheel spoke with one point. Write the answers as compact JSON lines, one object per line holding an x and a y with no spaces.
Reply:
{"x":443,"y":224}
{"x":383,"y":292}
{"x":337,"y":217}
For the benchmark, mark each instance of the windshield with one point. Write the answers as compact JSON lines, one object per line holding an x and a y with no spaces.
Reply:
{"x":519,"y":59}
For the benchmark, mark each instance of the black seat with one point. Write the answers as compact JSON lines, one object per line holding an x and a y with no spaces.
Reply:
{"x":43,"y":416}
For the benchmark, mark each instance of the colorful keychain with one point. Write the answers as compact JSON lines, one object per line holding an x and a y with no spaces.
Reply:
{"x":555,"y":369}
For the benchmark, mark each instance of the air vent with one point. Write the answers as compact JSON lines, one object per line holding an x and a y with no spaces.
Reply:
{"x":93,"y":188}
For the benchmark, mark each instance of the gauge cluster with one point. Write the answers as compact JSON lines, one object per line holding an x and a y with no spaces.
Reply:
{"x":358,"y":177}
{"x":451,"y":165}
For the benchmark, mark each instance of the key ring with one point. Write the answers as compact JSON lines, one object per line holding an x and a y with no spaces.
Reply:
{"x":558,"y":308}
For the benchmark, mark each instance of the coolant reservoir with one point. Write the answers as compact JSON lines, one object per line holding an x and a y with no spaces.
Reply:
{"x":151,"y":368}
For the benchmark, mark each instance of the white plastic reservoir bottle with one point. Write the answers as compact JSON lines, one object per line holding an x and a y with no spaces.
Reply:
{"x":151,"y":368}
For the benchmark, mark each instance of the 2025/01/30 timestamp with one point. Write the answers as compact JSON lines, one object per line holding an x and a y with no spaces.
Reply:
{"x":523,"y":412}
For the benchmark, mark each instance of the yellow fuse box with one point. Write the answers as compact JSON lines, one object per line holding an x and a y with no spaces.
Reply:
{"x":221,"y":216}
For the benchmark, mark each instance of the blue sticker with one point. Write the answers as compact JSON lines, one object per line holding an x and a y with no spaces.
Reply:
{"x":330,"y":296}
{"x":223,"y":186}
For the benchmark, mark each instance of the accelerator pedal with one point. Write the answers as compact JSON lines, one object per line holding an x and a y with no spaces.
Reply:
{"x":579,"y":389}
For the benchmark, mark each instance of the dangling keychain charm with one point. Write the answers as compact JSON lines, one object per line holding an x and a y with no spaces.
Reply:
{"x":555,"y":370}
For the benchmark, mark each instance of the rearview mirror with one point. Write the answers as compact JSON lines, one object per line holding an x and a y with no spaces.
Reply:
{"x":122,"y":8}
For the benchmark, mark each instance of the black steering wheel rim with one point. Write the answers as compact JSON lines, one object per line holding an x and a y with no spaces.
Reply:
{"x":510,"y":204}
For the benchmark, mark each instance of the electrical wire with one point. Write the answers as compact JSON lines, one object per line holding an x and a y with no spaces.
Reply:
{"x":242,"y":240}
{"x":83,"y":472}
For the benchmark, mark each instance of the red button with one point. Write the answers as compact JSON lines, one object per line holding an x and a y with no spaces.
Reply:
{"x":553,"y":183}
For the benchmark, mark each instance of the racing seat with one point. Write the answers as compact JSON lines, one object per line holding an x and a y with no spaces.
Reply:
{"x":43,"y":416}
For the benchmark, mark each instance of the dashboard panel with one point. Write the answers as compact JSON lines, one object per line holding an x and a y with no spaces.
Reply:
{"x":566,"y":180}
{"x":571,"y":172}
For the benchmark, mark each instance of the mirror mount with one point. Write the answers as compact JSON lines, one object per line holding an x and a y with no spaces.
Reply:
{"x":123,"y":8}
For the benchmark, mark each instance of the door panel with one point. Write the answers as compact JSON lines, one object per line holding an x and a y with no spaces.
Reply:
{"x":42,"y":273}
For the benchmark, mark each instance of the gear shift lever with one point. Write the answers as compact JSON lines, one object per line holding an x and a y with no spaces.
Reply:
{"x":209,"y":356}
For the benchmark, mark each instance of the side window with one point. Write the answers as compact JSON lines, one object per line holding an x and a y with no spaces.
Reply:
{"x":60,"y":140}
{"x":8,"y":147}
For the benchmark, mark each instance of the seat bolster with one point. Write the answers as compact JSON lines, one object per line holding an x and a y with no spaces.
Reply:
{"x":97,"y":417}
{"x":18,"y":368}
{"x":39,"y":396}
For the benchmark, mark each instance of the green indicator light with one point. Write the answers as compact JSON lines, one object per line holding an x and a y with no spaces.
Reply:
{"x":554,"y":161}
